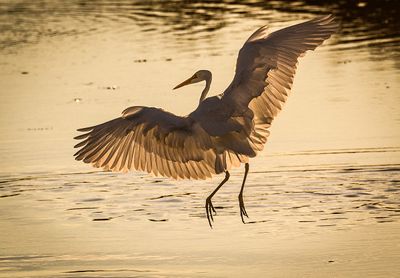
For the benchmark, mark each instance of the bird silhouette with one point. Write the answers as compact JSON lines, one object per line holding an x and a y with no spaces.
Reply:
{"x":224,"y":131}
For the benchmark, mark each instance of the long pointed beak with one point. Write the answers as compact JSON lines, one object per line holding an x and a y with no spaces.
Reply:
{"x":184,"y":83}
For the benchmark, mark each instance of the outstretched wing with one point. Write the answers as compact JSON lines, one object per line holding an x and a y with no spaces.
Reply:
{"x":265,"y":70}
{"x":221,"y":132}
{"x":152,"y":140}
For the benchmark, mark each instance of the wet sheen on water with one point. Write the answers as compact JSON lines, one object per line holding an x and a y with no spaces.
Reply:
{"x":323,"y":197}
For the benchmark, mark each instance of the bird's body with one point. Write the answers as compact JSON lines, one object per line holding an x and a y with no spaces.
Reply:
{"x":225,"y":130}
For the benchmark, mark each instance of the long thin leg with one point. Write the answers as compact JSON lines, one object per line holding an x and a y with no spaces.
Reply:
{"x":209,"y":206}
{"x":241,"y":203}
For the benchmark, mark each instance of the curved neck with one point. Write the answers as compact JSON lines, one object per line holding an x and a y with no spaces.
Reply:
{"x":206,"y":89}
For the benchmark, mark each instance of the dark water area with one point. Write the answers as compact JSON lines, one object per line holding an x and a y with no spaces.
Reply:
{"x":374,"y":24}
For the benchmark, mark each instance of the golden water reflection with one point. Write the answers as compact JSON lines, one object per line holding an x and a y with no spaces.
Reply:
{"x":322,"y":198}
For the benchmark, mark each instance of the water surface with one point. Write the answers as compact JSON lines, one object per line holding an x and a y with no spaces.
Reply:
{"x":322,"y":198}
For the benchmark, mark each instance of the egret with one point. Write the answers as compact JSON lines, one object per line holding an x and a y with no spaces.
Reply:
{"x":224,"y":131}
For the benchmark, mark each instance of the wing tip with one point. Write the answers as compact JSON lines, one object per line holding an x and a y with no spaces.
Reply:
{"x":260,"y":33}
{"x":327,"y":20}
{"x":80,"y":137}
{"x":84,"y":129}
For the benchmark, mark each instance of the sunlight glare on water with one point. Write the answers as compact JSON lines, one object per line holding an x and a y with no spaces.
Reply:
{"x":323,"y":197}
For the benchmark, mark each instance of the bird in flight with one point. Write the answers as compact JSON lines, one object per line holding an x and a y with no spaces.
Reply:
{"x":224,"y":131}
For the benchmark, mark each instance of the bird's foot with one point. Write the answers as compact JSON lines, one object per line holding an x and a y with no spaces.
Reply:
{"x":243,"y":211}
{"x":209,"y":211}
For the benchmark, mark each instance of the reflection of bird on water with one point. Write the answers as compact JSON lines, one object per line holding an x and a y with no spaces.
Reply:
{"x":224,"y":131}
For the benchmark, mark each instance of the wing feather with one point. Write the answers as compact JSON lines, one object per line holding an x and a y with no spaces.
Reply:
{"x":223,"y":131}
{"x":169,"y":147}
{"x":265,"y":71}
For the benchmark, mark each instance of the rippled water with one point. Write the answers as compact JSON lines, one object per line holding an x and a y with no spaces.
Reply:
{"x":322,"y":198}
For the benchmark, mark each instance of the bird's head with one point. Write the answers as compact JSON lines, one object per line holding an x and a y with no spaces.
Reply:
{"x":199,"y":76}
